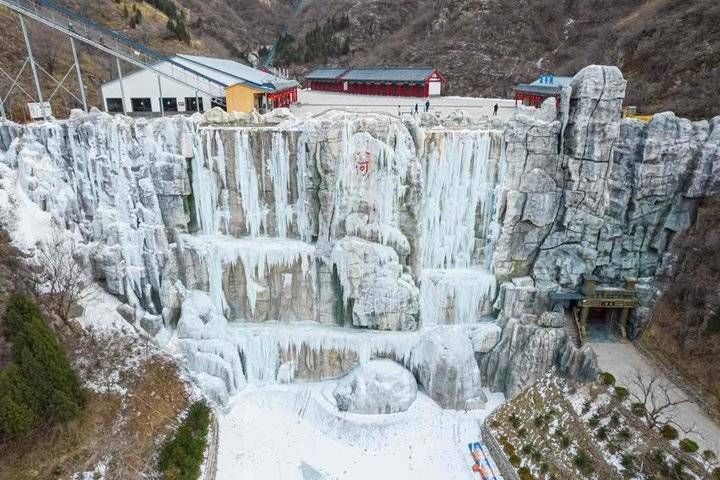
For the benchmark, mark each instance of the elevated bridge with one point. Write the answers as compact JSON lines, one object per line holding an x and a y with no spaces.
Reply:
{"x":121,"y":47}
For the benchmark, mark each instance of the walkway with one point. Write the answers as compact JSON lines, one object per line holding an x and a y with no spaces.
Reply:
{"x":316,"y":102}
{"x":622,"y":359}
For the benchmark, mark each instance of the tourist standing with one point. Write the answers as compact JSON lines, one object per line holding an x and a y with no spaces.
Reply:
{"x":495,"y":109}
{"x":427,"y":105}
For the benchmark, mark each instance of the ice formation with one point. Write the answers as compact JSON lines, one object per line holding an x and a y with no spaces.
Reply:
{"x":327,"y":241}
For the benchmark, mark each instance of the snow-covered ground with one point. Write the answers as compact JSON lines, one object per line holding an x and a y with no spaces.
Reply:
{"x":295,"y":432}
{"x":314,"y":102}
{"x":623,"y":360}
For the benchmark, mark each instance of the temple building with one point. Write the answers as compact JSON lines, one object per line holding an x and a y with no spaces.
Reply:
{"x":386,"y":81}
{"x":546,"y":86}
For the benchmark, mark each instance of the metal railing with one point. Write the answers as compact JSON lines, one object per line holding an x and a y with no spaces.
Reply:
{"x":116,"y":44}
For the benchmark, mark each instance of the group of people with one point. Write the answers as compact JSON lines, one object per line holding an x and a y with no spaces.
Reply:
{"x":427,"y":108}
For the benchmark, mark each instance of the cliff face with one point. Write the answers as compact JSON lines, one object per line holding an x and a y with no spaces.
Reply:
{"x":684,"y":326}
{"x":389,"y":237}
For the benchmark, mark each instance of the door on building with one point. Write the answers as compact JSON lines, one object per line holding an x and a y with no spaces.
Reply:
{"x":435,"y":88}
{"x":141,"y":104}
{"x":170,"y":104}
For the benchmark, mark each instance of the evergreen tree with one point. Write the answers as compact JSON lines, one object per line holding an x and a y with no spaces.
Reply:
{"x":39,"y":384}
{"x":182,"y":454}
{"x":126,"y":13}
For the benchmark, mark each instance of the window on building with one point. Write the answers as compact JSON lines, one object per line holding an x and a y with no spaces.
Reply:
{"x":191,"y":104}
{"x":169,"y":104}
{"x":217,"y":102}
{"x":114,"y":105}
{"x":141,"y":105}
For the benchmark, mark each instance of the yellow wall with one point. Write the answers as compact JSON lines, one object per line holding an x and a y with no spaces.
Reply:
{"x":240,"y":98}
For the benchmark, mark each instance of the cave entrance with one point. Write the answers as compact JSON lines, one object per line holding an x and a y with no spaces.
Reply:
{"x":596,"y":313}
{"x":602,"y":324}
{"x":605,"y":310}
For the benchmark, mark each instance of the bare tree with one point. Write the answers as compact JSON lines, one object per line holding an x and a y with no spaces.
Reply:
{"x":60,"y":278}
{"x":659,"y":397}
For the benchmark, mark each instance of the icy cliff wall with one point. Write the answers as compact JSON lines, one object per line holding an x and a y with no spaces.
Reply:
{"x":360,"y":221}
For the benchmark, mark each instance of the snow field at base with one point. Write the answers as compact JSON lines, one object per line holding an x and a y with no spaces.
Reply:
{"x":280,"y":431}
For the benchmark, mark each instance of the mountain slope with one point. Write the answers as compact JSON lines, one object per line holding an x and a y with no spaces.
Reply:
{"x":668,"y":50}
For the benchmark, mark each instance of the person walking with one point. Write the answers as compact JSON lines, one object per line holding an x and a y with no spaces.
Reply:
{"x":416,"y":108}
{"x":427,"y":105}
{"x":495,"y":109}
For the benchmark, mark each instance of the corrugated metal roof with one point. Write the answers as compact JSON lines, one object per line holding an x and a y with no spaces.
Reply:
{"x":230,"y":72}
{"x":388,"y":74}
{"x":325,"y":73}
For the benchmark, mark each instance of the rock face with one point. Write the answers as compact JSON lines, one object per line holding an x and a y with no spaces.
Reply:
{"x":530,"y":345}
{"x":446,"y":367}
{"x":323,"y":243}
{"x":379,"y":386}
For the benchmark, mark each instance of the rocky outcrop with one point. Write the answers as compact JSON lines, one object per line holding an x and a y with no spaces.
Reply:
{"x":531,"y":344}
{"x":379,"y":386}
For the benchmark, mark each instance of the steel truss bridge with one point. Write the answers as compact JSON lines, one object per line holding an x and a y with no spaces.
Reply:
{"x":82,"y":29}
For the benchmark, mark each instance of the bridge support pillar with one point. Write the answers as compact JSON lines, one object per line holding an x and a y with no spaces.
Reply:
{"x":2,"y":109}
{"x":32,"y":66}
{"x":122,"y":85}
{"x":81,"y":86}
{"x":162,"y":109}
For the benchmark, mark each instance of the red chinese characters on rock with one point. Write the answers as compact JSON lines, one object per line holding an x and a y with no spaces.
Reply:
{"x":363,"y":161}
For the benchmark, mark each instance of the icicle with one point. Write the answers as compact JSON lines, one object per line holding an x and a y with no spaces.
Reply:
{"x":459,"y":178}
{"x":301,"y":207}
{"x":280,"y":173}
{"x":203,"y":185}
{"x":247,"y":184}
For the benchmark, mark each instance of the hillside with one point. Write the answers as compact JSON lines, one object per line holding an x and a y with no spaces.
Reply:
{"x":667,"y":50}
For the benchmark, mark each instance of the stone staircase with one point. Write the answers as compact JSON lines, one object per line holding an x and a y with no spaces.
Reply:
{"x":572,"y":328}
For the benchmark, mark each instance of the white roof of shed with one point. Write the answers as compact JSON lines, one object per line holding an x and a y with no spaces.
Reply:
{"x":226,"y":72}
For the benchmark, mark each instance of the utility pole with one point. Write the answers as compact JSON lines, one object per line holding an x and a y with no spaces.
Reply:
{"x":79,"y":75}
{"x":32,"y":66}
{"x":122,"y":86}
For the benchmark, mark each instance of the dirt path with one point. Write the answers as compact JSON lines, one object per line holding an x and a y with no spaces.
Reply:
{"x":622,"y":359}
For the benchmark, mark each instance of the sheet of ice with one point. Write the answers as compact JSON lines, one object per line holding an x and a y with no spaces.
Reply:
{"x":270,"y":432}
{"x":454,"y":295}
{"x":256,"y":255}
{"x":459,"y":187}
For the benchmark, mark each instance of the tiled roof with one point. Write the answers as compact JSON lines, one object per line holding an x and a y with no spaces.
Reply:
{"x":325,"y":73}
{"x":382,"y":74}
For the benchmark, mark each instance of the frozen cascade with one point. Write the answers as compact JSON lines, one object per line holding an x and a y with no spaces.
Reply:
{"x":301,"y":208}
{"x":203,"y":184}
{"x":279,"y":168}
{"x":459,"y":210}
{"x":454,"y":295}
{"x":459,"y":184}
{"x":256,"y":255}
{"x":247,"y":184}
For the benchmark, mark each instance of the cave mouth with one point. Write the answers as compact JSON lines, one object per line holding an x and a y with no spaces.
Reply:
{"x":603,"y":325}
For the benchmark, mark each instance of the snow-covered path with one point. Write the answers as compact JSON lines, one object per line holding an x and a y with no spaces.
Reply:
{"x":622,"y":359}
{"x":316,"y":102}
{"x":294,"y":432}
